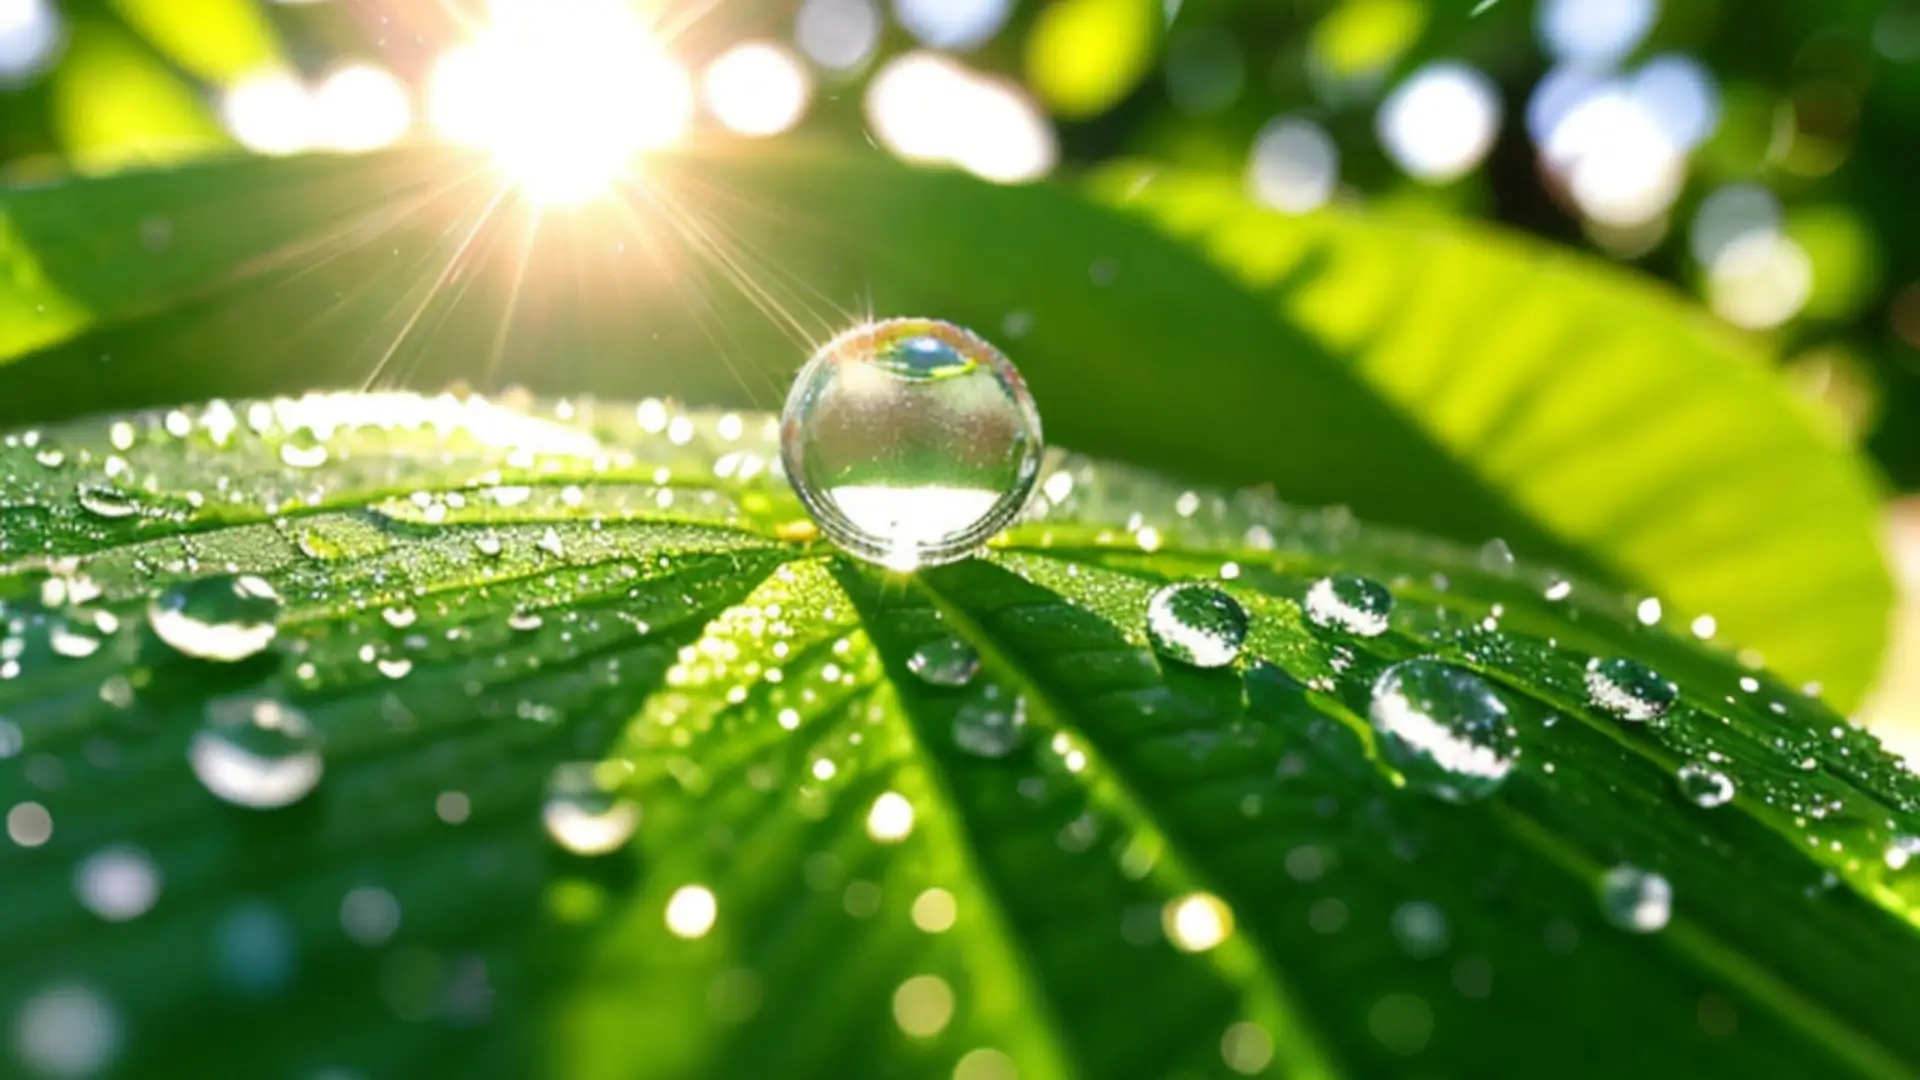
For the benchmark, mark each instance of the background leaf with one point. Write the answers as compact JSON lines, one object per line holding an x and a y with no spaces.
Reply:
{"x":1176,"y":871}
{"x":1430,"y":380}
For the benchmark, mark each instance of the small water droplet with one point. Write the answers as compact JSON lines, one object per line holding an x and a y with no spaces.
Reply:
{"x":1636,"y":900}
{"x":524,"y":620}
{"x":1496,"y":556}
{"x":1704,"y":786}
{"x":1629,"y":690}
{"x":910,"y":441}
{"x":1443,"y":728}
{"x":107,"y":501}
{"x":256,"y":752}
{"x":227,"y":618}
{"x":1350,"y":602}
{"x":1196,"y":624}
{"x":488,"y":544}
{"x":585,"y":812}
{"x":989,"y":725}
{"x":946,"y":661}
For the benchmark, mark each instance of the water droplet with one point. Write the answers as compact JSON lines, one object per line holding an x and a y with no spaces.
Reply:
{"x":946,"y":661}
{"x":107,"y":501}
{"x":989,"y":726}
{"x":1196,"y":624}
{"x":226,"y":618}
{"x":1704,"y":786}
{"x":1350,"y":602}
{"x":585,"y":812}
{"x":910,"y":441}
{"x":1443,"y":728}
{"x":117,"y":884}
{"x":1496,"y":556}
{"x":488,"y":544}
{"x":256,"y":752}
{"x":1634,"y":899}
{"x":1630,"y":690}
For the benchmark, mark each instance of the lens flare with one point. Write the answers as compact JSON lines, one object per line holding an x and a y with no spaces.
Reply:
{"x":564,"y":94}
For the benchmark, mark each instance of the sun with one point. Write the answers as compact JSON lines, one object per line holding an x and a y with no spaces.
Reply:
{"x":565,"y":94}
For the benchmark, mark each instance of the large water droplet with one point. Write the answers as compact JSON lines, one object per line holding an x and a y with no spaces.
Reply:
{"x":911,"y":441}
{"x":1196,"y":624}
{"x":1444,"y":728}
{"x":585,"y":811}
{"x":1634,"y":899}
{"x":226,"y":618}
{"x":256,"y":752}
{"x":1350,"y":602}
{"x":107,"y":501}
{"x":991,"y":725}
{"x":1629,"y":690}
{"x":946,"y":661}
{"x":1704,"y":786}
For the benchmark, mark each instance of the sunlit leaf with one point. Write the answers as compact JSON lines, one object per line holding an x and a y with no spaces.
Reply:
{"x":814,"y":871}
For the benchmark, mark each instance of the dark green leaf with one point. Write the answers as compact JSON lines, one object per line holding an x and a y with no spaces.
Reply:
{"x":474,"y":596}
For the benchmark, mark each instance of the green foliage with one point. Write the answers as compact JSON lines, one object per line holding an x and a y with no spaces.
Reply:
{"x":1426,"y":378}
{"x":474,"y":595}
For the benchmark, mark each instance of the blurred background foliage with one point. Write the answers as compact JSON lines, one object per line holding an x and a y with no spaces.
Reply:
{"x":1755,"y":154}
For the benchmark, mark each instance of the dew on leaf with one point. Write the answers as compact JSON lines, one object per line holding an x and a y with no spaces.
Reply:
{"x":1196,"y":625}
{"x":226,"y":618}
{"x":584,"y":812}
{"x":1637,"y":900}
{"x":1196,"y":922}
{"x":117,"y":884}
{"x":691,"y":911}
{"x":1629,"y":690}
{"x":256,"y":752}
{"x":910,"y":441}
{"x":107,"y":501}
{"x":991,"y":724}
{"x":1704,"y":785}
{"x":1349,"y":602}
{"x":1443,"y":728}
{"x":946,"y":661}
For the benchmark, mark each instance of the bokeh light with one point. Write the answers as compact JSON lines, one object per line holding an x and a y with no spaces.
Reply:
{"x":1440,"y":122}
{"x":564,"y":94}
{"x":31,"y":32}
{"x":271,"y":112}
{"x":952,"y":24}
{"x":360,"y":107}
{"x":1294,"y":165}
{"x":839,"y":35}
{"x":758,"y":88}
{"x":1760,"y":280}
{"x":1728,"y":214}
{"x":931,"y":109}
{"x":1594,"y":33}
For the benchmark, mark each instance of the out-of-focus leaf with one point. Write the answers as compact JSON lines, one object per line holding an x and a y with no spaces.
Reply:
{"x":217,"y":40}
{"x":1460,"y":385}
{"x":1629,"y":422}
{"x":832,"y":871}
{"x":115,"y":103}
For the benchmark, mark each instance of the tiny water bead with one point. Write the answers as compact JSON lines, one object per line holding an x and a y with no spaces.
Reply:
{"x":256,"y":752}
{"x":946,"y":661}
{"x":991,"y":725}
{"x":1444,"y":728}
{"x":910,"y":441}
{"x":1636,"y":900}
{"x":1629,"y":690}
{"x":584,"y":812}
{"x":1349,"y":602}
{"x":227,"y":618}
{"x":1704,"y":786}
{"x":1197,"y":625}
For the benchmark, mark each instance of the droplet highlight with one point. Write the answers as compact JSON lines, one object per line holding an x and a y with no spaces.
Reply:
{"x":1197,"y":625}
{"x":910,"y":441}
{"x":584,"y":812}
{"x":256,"y":752}
{"x":1629,"y":690}
{"x":1349,"y":602}
{"x":1636,"y":900}
{"x":1443,"y":728}
{"x":1704,"y":785}
{"x":946,"y":661}
{"x":227,"y":618}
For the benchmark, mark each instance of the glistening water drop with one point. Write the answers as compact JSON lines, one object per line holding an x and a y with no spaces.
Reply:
{"x":910,"y":441}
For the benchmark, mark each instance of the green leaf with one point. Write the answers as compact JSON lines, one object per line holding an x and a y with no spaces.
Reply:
{"x":1628,"y":422}
{"x":1174,"y":872}
{"x":1462,"y":386}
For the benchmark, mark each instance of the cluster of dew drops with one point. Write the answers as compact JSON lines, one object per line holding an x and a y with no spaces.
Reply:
{"x":1444,"y":729}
